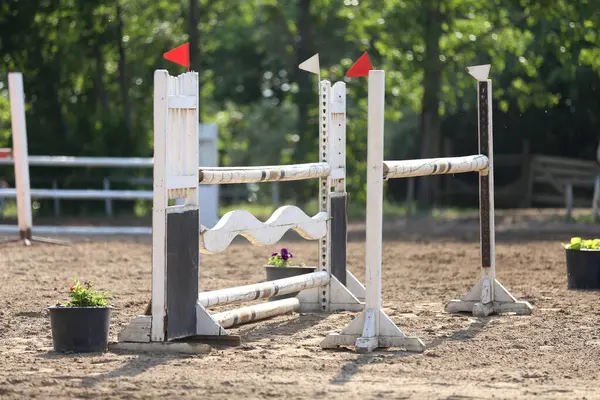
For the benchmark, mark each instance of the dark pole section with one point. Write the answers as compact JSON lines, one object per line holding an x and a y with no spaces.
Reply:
{"x":339,"y":233}
{"x":484,"y":180}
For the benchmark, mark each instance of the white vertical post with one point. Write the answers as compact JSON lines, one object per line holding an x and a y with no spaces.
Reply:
{"x":20,"y":153}
{"x":324,"y":187}
{"x":159,"y":206}
{"x":107,"y":202}
{"x":486,"y":195}
{"x":56,"y":200}
{"x":374,"y":217}
{"x":569,"y":200}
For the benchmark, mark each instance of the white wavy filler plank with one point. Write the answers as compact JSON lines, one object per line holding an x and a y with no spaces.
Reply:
{"x":434,"y":166}
{"x":241,"y":222}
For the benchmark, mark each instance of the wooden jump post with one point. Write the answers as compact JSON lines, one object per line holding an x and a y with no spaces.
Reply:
{"x":372,"y":328}
{"x":178,"y":307}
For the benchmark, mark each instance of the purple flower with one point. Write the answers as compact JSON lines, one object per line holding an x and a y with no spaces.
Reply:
{"x":273,"y":255}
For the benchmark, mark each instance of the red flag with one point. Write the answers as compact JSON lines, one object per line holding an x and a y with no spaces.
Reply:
{"x":179,"y":55}
{"x":361,"y":67}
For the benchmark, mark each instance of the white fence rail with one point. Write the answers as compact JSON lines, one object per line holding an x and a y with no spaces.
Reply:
{"x":208,"y":195}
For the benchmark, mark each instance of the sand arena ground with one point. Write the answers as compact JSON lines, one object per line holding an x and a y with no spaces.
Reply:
{"x":554,"y":353}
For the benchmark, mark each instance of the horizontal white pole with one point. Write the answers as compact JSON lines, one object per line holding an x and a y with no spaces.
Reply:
{"x":83,"y":194}
{"x":80,"y":230}
{"x":68,"y":161}
{"x":271,"y":173}
{"x":256,"y":312}
{"x":434,"y":166}
{"x":263,"y":290}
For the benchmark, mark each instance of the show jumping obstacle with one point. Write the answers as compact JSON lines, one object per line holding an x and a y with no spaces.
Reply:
{"x":19,"y":158}
{"x":372,"y":328}
{"x":178,"y":310}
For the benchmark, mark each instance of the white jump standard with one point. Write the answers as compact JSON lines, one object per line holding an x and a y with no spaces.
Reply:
{"x":178,"y":309}
{"x":373,"y":328}
{"x":487,"y":296}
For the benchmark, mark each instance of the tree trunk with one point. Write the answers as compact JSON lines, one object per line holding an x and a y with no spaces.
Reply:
{"x":123,"y":81}
{"x":430,"y":118}
{"x":194,"y":35}
{"x":100,"y":88}
{"x":308,"y":140}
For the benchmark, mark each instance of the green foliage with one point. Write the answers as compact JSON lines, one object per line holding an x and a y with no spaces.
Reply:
{"x":85,"y":296}
{"x":88,"y":76}
{"x":282,"y":259}
{"x":583,"y":244}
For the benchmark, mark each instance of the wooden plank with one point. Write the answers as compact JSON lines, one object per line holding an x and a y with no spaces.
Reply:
{"x":241,"y":222}
{"x":182,"y":273}
{"x":159,"y":206}
{"x":276,"y":173}
{"x":434,"y":166}
{"x":182,"y":101}
{"x":182,"y":182}
{"x":263,"y":290}
{"x":339,"y":235}
{"x":20,"y":153}
{"x":256,"y":312}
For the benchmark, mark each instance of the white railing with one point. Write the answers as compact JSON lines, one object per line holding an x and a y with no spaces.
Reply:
{"x":19,"y":158}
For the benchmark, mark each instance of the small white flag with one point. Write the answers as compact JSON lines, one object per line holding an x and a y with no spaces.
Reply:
{"x":311,"y":65}
{"x":479,"y":72}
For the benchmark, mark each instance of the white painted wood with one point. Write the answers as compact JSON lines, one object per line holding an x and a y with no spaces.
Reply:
{"x":162,"y":347}
{"x":490,"y":273}
{"x":355,"y":286}
{"x":241,"y":222}
{"x":182,"y":101}
{"x":374,"y":217}
{"x":20,"y":152}
{"x":182,"y":182}
{"x":208,"y":156}
{"x":434,"y":166}
{"x":479,"y":72}
{"x":569,"y":200}
{"x":256,"y":312}
{"x":365,"y":332}
{"x":340,"y":298}
{"x":389,"y":335}
{"x":263,"y":290}
{"x":206,"y":325}
{"x":138,"y":330}
{"x":337,"y":130}
{"x":325,"y":183}
{"x":488,"y":296}
{"x":159,"y":206}
{"x":276,"y":173}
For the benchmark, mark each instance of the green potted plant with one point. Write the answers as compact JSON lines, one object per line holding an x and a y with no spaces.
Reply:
{"x":81,"y":325}
{"x":583,"y":263}
{"x":280,"y":266}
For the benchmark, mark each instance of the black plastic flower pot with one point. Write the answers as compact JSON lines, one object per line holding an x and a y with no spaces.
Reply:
{"x":583,"y":269}
{"x":274,"y":273}
{"x":80,"y":329}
